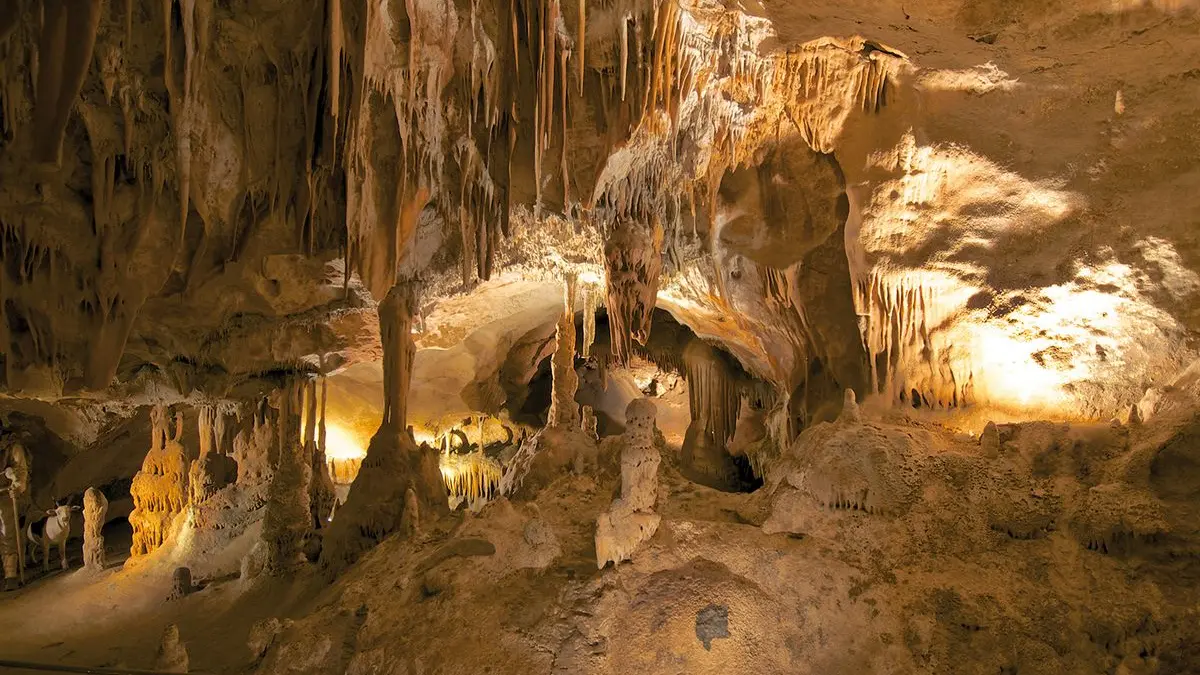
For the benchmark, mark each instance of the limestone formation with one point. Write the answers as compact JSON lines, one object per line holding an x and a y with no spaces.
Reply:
{"x":288,"y":521}
{"x":564,"y":412}
{"x":172,"y":654}
{"x":14,"y":499}
{"x":588,"y":423}
{"x":181,"y":583}
{"x":855,"y":230}
{"x":321,"y":487}
{"x":95,"y":509}
{"x":395,"y":464}
{"x":631,"y":520}
{"x":160,"y":489}
{"x":633,"y":261}
{"x":254,"y":446}
{"x":213,"y":469}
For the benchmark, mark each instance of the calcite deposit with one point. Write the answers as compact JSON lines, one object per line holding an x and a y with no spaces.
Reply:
{"x":160,"y":488}
{"x":635,"y":336}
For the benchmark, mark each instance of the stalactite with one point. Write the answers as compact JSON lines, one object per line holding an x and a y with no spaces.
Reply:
{"x":713,"y":392}
{"x":896,"y":318}
{"x":287,"y":523}
{"x":473,"y":478}
{"x":633,"y":263}
{"x":581,"y":42}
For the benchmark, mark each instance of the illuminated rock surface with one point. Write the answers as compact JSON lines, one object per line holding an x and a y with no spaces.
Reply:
{"x":909,"y":292}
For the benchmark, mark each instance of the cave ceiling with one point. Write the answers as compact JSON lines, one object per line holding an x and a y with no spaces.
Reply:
{"x":982,"y":205}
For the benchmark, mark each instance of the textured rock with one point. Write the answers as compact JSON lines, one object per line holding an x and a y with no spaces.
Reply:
{"x":631,"y":519}
{"x":95,"y":508}
{"x":160,"y":489}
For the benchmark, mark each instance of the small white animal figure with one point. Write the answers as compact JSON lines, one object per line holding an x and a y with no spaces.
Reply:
{"x":54,"y":529}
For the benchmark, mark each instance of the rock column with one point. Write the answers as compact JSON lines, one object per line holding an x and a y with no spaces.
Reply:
{"x":563,"y":410}
{"x":160,"y":489}
{"x":631,"y":519}
{"x":378,"y":503}
{"x":95,"y":509}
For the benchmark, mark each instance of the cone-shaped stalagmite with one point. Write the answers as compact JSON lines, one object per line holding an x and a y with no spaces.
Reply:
{"x":376,"y":505}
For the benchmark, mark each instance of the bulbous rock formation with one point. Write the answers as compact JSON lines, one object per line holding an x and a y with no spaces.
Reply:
{"x":160,"y":489}
{"x":631,"y":519}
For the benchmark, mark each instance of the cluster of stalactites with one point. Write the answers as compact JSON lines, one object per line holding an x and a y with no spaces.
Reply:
{"x":896,"y":317}
{"x":473,"y":478}
{"x":160,"y":489}
{"x":714,"y":393}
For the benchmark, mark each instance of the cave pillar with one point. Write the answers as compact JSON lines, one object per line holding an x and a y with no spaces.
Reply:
{"x":563,"y":410}
{"x":321,"y":492}
{"x":379,"y":502}
{"x":395,"y":330}
{"x":287,"y":524}
{"x":160,"y":489}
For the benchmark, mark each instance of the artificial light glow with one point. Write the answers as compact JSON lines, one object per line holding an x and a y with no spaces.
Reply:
{"x":340,"y":444}
{"x":589,"y":277}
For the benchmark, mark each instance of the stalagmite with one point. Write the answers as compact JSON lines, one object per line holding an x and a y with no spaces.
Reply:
{"x":160,"y":489}
{"x":564,"y":412}
{"x":989,"y":440}
{"x":410,"y":522}
{"x":321,"y":490}
{"x":95,"y":509}
{"x":181,"y":583}
{"x":394,"y":463}
{"x":288,"y":523}
{"x":172,"y":654}
{"x":850,"y":411}
{"x":631,"y":519}
{"x":588,"y":423}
